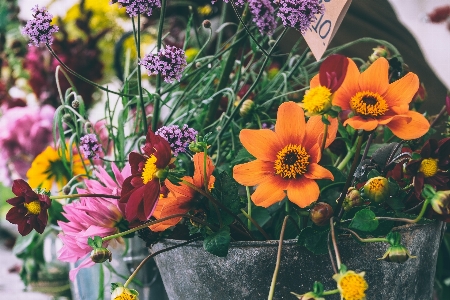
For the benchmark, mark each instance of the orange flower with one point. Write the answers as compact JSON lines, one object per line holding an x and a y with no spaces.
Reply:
{"x":287,"y":159}
{"x":181,"y":198}
{"x":376,"y":102}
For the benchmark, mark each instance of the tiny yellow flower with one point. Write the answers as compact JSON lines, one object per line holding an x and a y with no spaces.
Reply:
{"x":123,"y":293}
{"x":351,"y":285}
{"x":317,"y":101}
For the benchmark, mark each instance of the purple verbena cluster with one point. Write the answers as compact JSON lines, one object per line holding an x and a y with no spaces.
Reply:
{"x":135,"y":7}
{"x":178,"y":138}
{"x":169,"y":62}
{"x":90,"y":146}
{"x":39,"y":29}
{"x":263,"y":15}
{"x":299,"y":14}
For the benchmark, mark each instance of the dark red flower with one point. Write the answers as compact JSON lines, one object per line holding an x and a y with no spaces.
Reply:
{"x":432,"y":166}
{"x":141,"y":190}
{"x":30,"y":209}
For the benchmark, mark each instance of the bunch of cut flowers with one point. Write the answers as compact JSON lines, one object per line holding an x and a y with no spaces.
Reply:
{"x":233,"y":140}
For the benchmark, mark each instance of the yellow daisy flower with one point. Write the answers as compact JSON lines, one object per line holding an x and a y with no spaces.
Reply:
{"x":48,"y":168}
{"x":351,"y":285}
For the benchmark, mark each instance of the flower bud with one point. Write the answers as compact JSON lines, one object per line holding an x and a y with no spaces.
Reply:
{"x":441,"y":202}
{"x":87,"y":126}
{"x":398,"y":254}
{"x":352,"y":199}
{"x":197,"y":147}
{"x":321,"y":213}
{"x":123,"y":293}
{"x":207,"y":24}
{"x":377,"y":189}
{"x":100,"y":255}
{"x":66,"y":190}
{"x":66,"y":118}
{"x":247,"y":108}
{"x":161,"y":174}
{"x":378,"y":52}
{"x":75,"y":103}
{"x":308,"y":296}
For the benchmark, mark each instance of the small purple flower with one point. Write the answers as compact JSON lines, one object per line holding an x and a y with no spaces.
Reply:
{"x":135,"y":7}
{"x":39,"y":29}
{"x":299,"y":14}
{"x":263,"y":15}
{"x":178,"y":138}
{"x":90,"y":146}
{"x":169,"y":62}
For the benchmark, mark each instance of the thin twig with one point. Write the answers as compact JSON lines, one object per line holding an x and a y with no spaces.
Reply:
{"x":277,"y":265}
{"x":336,"y":249}
{"x":331,"y":254}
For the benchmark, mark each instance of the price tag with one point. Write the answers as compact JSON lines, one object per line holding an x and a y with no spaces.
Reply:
{"x":322,"y":31}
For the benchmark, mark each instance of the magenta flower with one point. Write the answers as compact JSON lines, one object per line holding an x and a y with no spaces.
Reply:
{"x":29,"y":209}
{"x":25,"y":132}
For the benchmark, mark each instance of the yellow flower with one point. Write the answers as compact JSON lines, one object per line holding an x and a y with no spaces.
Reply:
{"x":123,"y":293}
{"x":317,"y":100}
{"x":351,"y":285}
{"x":48,"y":168}
{"x":205,"y":10}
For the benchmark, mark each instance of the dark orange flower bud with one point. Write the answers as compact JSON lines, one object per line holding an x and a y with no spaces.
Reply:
{"x":100,"y":255}
{"x":352,"y":199}
{"x":321,"y":213}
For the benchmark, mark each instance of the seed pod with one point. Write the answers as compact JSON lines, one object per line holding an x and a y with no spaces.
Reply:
{"x":321,"y":213}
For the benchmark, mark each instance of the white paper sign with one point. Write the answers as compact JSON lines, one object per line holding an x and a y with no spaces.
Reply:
{"x":322,"y":31}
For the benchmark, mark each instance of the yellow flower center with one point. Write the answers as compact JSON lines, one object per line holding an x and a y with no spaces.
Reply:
{"x":149,"y":169}
{"x":376,"y":185}
{"x":125,"y":296}
{"x":353,"y":287}
{"x":317,"y":100}
{"x":291,"y":161}
{"x":368,"y":104}
{"x":33,"y":207}
{"x":429,"y":167}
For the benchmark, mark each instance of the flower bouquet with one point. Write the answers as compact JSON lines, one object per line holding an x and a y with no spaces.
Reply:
{"x":234,"y":140}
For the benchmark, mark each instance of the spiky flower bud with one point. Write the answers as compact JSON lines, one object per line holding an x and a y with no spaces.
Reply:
{"x":441,"y":202}
{"x":377,"y":189}
{"x":352,"y":199}
{"x":321,"y":213}
{"x":247,"y":108}
{"x":398,"y":254}
{"x":378,"y":52}
{"x":75,"y":103}
{"x":100,"y":255}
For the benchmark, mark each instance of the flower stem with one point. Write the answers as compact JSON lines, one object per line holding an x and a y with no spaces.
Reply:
{"x":410,"y":221}
{"x":332,"y":292}
{"x":157,"y":100}
{"x":277,"y":265}
{"x":371,"y":240}
{"x":324,"y":139}
{"x":153,"y":255}
{"x":251,"y":220}
{"x":336,"y":249}
{"x":84,"y":195}
{"x":249,"y":208}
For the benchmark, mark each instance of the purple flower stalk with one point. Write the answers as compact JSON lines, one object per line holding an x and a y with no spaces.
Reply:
{"x":169,"y":62}
{"x":90,"y":146}
{"x":178,"y":138}
{"x":299,"y":14}
{"x":263,"y":15}
{"x":39,"y":29}
{"x":135,"y":7}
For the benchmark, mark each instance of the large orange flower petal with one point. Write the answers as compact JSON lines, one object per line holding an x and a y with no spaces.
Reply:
{"x":181,"y":190}
{"x":303,"y":191}
{"x":415,"y":128}
{"x":375,"y":78}
{"x":270,"y":191}
{"x":261,"y":143}
{"x":402,"y":91}
{"x":171,"y":206}
{"x":290,"y":125}
{"x":315,"y":81}
{"x":315,"y":129}
{"x":316,"y":171}
{"x":199,"y":174}
{"x":360,"y":123}
{"x":253,"y":173}
{"x":349,"y":87}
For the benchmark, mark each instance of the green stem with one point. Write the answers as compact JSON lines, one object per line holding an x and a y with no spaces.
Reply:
{"x":81,"y":77}
{"x":346,"y":159}
{"x":249,"y":208}
{"x":157,"y":101}
{"x":277,"y":265}
{"x":84,"y":195}
{"x":419,"y":217}
{"x":371,"y":240}
{"x":332,"y":292}
{"x":251,"y":220}
{"x":139,"y":81}
{"x":239,"y":40}
{"x":153,"y":255}
{"x":101,"y":286}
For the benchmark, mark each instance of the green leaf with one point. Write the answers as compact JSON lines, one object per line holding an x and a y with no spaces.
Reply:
{"x":260,"y":215}
{"x":226,"y":192}
{"x":364,"y":220}
{"x":373,"y":173}
{"x":23,"y":242}
{"x":242,"y":156}
{"x":218,"y":242}
{"x":314,"y":240}
{"x":55,"y":213}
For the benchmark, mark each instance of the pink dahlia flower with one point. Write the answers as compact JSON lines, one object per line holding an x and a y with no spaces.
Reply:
{"x":91,"y":217}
